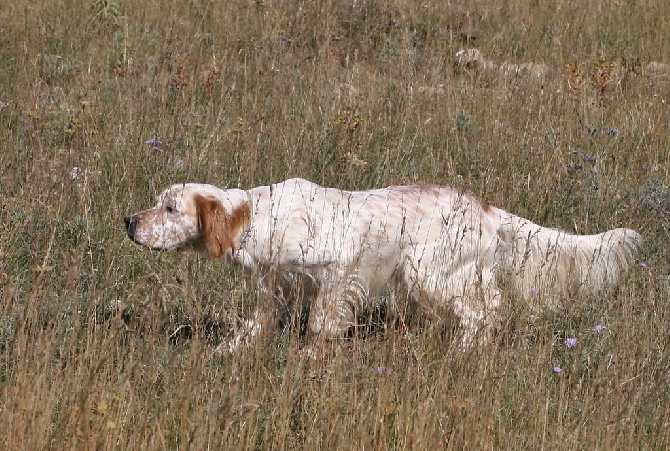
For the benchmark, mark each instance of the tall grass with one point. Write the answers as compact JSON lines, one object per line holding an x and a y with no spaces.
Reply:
{"x":104,"y":103}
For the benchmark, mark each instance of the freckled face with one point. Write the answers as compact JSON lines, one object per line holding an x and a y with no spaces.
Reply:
{"x":171,"y":224}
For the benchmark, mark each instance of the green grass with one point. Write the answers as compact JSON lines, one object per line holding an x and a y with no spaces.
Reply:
{"x":105,"y":345}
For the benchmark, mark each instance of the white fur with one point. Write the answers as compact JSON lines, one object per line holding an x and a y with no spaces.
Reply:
{"x":431,"y":244}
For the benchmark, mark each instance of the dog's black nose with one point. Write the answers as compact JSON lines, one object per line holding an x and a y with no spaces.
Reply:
{"x":130,"y":221}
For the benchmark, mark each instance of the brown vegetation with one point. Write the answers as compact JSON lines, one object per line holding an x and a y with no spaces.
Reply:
{"x":105,"y":346}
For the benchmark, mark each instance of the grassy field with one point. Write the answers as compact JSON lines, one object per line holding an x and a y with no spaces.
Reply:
{"x":104,"y":103}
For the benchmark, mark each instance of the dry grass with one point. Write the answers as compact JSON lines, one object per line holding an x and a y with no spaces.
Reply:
{"x":104,"y":345}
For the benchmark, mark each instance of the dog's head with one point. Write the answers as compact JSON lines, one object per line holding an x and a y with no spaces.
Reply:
{"x":190,"y":216}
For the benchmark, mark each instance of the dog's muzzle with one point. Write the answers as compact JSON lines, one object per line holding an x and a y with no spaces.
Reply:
{"x":131,"y":222}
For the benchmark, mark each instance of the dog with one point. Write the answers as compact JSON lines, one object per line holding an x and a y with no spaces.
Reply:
{"x":436,"y":246}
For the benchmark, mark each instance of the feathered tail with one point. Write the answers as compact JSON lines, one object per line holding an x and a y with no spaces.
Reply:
{"x":554,"y":265}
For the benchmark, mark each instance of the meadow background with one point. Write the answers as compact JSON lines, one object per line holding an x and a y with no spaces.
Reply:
{"x":104,"y":103}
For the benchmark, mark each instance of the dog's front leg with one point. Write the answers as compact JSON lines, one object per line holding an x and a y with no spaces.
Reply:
{"x":333,"y":311}
{"x":263,"y":321}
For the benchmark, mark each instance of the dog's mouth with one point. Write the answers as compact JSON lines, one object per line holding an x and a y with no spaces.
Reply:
{"x":192,"y":243}
{"x":132,"y":237}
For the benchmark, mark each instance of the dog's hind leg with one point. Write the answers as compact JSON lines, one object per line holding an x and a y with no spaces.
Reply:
{"x":457,"y":274}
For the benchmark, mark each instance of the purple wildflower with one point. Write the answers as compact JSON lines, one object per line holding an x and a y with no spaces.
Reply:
{"x":533,"y":291}
{"x":557,"y":370}
{"x":643,"y":265}
{"x":611,"y":131}
{"x":570,"y":342}
{"x":598,"y":328}
{"x":382,"y":370}
{"x":156,"y":144}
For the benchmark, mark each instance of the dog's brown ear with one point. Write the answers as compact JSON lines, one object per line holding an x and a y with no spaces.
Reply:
{"x":219,"y":229}
{"x":214,"y":223}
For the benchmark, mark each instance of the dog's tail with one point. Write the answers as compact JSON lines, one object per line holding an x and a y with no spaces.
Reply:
{"x":548,"y":262}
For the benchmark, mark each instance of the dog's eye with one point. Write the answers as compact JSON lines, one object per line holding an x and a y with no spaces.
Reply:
{"x":169,"y":209}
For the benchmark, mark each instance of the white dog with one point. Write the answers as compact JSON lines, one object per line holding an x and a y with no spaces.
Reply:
{"x":435,"y":246}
